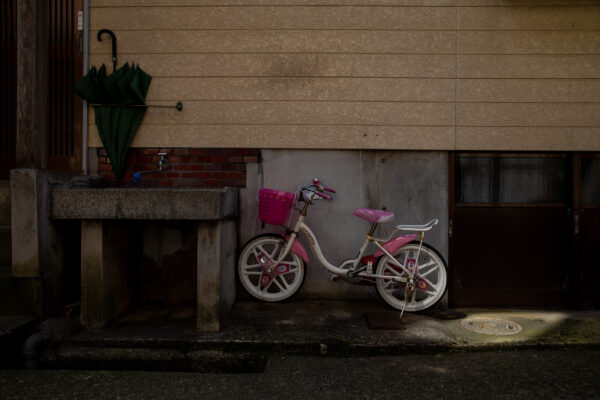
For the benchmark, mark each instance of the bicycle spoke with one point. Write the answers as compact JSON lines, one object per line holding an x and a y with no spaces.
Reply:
{"x":428,"y":283}
{"x":247,"y":267}
{"x":285,"y":283}
{"x":432,"y":262}
{"x":428,"y":292}
{"x":251,"y":273}
{"x":264,"y":289}
{"x":293,"y":268}
{"x":281,"y":288}
{"x":388,"y":284}
{"x":394,"y":271}
{"x":429,"y":272}
{"x":256,"y":253}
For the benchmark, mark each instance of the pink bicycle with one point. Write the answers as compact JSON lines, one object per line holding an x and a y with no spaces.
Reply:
{"x":408,"y":273}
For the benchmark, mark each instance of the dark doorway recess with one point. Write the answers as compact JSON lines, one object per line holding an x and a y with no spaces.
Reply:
{"x":8,"y":89}
{"x":65,"y":67}
{"x":511,"y":229}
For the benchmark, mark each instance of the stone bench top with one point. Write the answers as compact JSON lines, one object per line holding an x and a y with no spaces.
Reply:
{"x":151,"y":204}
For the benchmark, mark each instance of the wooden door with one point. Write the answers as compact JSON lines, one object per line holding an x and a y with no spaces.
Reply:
{"x":8,"y":89}
{"x":65,"y":33}
{"x":510,"y":237}
{"x":587,"y":229}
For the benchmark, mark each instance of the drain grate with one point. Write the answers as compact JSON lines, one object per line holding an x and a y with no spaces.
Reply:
{"x":491,"y":326}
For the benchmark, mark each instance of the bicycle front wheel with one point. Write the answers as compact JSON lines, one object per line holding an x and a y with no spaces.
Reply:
{"x":259,"y":275}
{"x":430,"y":278}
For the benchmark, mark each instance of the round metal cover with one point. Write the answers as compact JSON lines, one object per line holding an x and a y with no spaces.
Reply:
{"x":491,"y":326}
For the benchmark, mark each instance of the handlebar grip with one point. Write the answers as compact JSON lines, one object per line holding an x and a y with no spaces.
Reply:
{"x":330,"y":189}
{"x":323,"y":195}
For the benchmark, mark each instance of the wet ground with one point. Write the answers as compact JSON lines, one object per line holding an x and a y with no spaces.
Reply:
{"x":166,"y":339}
{"x":515,"y":374}
{"x":355,"y":324}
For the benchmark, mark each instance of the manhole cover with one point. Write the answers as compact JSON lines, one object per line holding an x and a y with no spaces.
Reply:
{"x":491,"y":326}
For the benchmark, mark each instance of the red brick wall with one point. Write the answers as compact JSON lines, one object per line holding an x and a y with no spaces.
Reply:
{"x":194,"y":168}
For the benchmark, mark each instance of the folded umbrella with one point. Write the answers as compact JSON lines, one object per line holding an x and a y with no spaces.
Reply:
{"x":118,"y":101}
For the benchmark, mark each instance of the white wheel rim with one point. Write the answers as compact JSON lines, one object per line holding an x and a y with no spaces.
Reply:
{"x":251,"y":267}
{"x":431,"y":282}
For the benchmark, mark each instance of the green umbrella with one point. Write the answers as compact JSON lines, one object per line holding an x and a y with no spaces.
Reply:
{"x":116,"y":99}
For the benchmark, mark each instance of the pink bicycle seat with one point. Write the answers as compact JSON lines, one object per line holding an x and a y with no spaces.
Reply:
{"x":374,"y":216}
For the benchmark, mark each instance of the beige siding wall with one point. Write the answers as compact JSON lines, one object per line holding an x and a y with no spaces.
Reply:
{"x":370,"y":74}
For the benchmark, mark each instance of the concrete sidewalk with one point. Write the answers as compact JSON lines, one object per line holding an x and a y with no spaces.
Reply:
{"x":165,"y":338}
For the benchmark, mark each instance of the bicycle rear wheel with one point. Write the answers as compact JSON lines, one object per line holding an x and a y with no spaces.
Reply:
{"x":431,"y":278}
{"x":257,"y":257}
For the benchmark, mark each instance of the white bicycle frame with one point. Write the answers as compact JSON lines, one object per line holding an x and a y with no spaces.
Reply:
{"x":314,"y":244}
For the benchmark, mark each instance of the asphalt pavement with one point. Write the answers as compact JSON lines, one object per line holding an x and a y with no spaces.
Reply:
{"x":570,"y":373}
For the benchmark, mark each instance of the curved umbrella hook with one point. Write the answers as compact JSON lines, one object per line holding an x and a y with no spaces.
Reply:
{"x":113,"y":39}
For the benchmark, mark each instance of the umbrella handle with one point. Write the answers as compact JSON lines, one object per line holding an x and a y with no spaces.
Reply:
{"x":113,"y":39}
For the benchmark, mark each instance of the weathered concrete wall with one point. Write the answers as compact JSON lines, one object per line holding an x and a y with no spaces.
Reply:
{"x":42,"y":249}
{"x":110,"y":270}
{"x":26,"y":203}
{"x":362,"y":74}
{"x":168,"y":268}
{"x":414,"y":185}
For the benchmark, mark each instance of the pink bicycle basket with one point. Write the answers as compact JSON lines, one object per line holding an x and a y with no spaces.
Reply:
{"x":274,"y":206}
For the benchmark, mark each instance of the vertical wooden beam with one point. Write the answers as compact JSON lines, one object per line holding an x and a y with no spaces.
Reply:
{"x":32,"y":84}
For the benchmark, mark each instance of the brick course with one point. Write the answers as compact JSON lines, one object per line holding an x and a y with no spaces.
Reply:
{"x":193,"y":168}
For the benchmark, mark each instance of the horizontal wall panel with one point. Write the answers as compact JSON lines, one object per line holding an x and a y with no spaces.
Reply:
{"x":534,"y":66}
{"x":528,"y":90}
{"x":187,"y":3}
{"x":306,"y":112}
{"x":292,"y":65}
{"x":223,"y":41}
{"x":281,"y":136}
{"x":522,"y":3}
{"x":528,"y":18}
{"x":522,"y":138}
{"x":371,"y":74}
{"x":528,"y":114}
{"x":528,"y":42}
{"x":264,"y":17}
{"x":272,"y":88}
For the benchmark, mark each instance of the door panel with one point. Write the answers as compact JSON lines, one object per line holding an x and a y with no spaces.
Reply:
{"x":588,"y":229}
{"x":8,"y":90}
{"x":511,"y":224}
{"x":510,"y":256}
{"x":65,"y":68}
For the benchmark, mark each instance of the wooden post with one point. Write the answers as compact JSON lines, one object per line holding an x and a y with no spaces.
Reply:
{"x":32,"y":84}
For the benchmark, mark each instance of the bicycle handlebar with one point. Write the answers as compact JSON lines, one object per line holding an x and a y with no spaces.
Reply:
{"x":316,"y":183}
{"x":317,"y":188}
{"x":325,"y":196}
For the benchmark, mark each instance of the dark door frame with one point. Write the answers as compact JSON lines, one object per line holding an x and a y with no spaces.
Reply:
{"x":571,"y":172}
